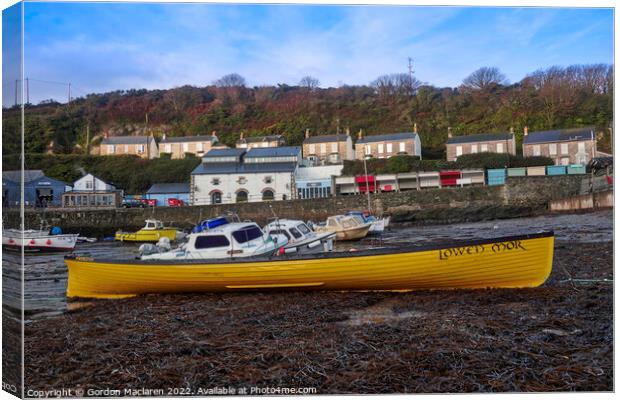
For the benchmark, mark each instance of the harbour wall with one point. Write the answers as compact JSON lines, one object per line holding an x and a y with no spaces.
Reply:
{"x":519,"y":197}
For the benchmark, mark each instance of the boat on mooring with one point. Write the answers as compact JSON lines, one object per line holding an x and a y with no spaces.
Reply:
{"x":346,"y":227}
{"x":38,"y":240}
{"x":299,"y":237}
{"x":377,"y":225}
{"x":503,"y":262}
{"x":230,"y":239}
{"x":153,"y":231}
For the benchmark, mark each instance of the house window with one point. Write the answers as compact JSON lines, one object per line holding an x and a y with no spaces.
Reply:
{"x":581,"y":147}
{"x":200,"y":147}
{"x":168,"y":148}
{"x":459,"y":150}
{"x":312,"y":149}
{"x":111,"y":149}
{"x":564,"y":161}
{"x":380,"y":148}
{"x":216,"y":197}
{"x":536,"y":150}
{"x":126,"y":149}
{"x":215,"y":181}
{"x":484,"y":147}
{"x":389,"y":147}
{"x":89,"y":184}
{"x":323,"y":148}
{"x":367,"y":149}
{"x":334,"y":147}
{"x":185,"y":147}
{"x":564,"y":148}
{"x":553,"y":149}
{"x":265,"y":144}
{"x":474,"y":148}
{"x":401,"y":147}
{"x":242,"y":196}
{"x":500,"y":147}
{"x":241,"y":180}
{"x":268,"y":195}
{"x":140,"y":148}
{"x":268,"y":179}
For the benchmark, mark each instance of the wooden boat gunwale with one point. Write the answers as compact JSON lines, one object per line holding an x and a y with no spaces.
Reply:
{"x":331,"y":255}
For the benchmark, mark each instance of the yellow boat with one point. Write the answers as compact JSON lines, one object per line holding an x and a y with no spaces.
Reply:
{"x":508,"y":262}
{"x":152,"y":232}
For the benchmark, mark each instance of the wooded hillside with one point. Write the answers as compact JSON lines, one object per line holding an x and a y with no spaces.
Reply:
{"x":546,"y":99}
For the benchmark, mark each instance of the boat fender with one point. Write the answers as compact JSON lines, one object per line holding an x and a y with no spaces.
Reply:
{"x":164,"y":243}
{"x":56,"y":231}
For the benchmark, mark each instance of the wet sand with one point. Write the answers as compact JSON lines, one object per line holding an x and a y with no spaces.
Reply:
{"x":558,"y":337}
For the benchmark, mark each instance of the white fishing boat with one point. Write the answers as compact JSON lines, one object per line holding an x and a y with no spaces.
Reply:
{"x":38,"y":240}
{"x":377,"y":225}
{"x":236,"y":239}
{"x":346,"y":227}
{"x":301,"y":239}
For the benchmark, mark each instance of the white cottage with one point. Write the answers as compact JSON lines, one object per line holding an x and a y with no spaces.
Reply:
{"x":238,"y":175}
{"x":90,"y":183}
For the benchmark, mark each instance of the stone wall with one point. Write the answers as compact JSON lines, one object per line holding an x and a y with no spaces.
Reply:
{"x":519,"y":197}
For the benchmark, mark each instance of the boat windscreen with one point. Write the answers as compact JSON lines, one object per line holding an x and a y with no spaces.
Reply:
{"x":211,"y":241}
{"x":295,"y":233}
{"x":280,"y":232}
{"x":247,"y":233}
{"x":303,"y":228}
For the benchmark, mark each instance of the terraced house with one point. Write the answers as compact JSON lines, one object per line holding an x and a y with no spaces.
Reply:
{"x":260,"y":141}
{"x":565,"y":147}
{"x":387,"y":145}
{"x":141,"y":146}
{"x":177,"y":147}
{"x":480,"y":143}
{"x":240,"y":175}
{"x":328,"y":149}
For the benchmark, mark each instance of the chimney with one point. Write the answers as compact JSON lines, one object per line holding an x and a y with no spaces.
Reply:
{"x":512,"y":130}
{"x":525,"y":131}
{"x":307,"y":133}
{"x":163,"y":137}
{"x":415,"y":128}
{"x":348,"y":131}
{"x":360,"y":135}
{"x":106,"y":134}
{"x":241,"y":136}
{"x":449,"y":132}
{"x":214,"y":134}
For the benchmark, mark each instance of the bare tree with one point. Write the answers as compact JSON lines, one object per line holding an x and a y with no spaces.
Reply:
{"x":230,"y":80}
{"x":395,"y":85}
{"x":484,"y":77}
{"x":309,"y":82}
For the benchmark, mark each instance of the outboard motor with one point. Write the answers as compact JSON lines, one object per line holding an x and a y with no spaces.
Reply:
{"x":147,"y":249}
{"x":163,"y":244}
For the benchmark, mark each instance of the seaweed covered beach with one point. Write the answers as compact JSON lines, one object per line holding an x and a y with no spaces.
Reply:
{"x":558,"y":337}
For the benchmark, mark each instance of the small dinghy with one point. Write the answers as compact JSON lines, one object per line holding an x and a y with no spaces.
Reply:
{"x":503,"y":262}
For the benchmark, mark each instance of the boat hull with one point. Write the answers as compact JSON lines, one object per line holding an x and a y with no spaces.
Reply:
{"x":146,"y":235}
{"x":38,"y":241}
{"x":510,"y":262}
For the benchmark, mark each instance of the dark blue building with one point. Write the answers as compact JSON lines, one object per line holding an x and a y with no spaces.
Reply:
{"x":39,"y":190}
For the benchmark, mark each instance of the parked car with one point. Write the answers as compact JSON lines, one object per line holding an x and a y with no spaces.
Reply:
{"x":132,"y":203}
{"x":175,"y":202}
{"x":149,"y":202}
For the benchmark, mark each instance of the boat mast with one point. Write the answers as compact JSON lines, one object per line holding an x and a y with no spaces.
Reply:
{"x":366,"y":180}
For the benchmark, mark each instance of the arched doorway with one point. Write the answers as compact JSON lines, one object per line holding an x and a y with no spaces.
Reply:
{"x":242,"y":196}
{"x":268,"y":195}
{"x":216,"y":197}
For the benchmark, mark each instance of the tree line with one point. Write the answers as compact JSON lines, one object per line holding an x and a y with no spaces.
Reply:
{"x":551,"y":98}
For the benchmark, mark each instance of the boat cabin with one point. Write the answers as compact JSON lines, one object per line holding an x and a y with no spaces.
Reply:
{"x":153,"y":224}
{"x":289,"y":230}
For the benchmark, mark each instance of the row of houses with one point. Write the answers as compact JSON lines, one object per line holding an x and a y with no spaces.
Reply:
{"x":565,"y":147}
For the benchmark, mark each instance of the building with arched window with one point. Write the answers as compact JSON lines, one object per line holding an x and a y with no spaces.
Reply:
{"x":241,"y":175}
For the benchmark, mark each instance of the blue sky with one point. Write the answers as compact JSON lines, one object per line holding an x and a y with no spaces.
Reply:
{"x":104,"y":46}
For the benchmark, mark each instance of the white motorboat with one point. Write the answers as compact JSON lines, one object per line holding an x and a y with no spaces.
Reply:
{"x":229,"y":240}
{"x":38,"y":241}
{"x":301,"y":239}
{"x":378,"y":225}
